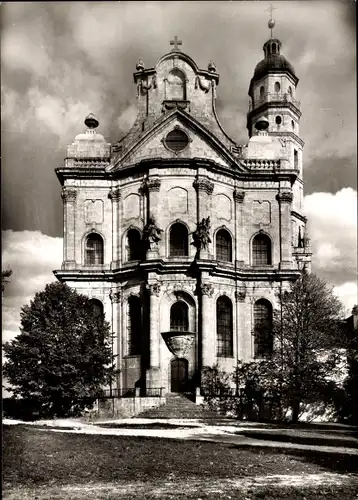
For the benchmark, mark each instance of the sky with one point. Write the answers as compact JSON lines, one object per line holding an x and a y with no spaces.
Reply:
{"x":63,"y":60}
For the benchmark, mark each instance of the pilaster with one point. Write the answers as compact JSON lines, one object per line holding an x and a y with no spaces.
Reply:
{"x":285,"y":200}
{"x":208,"y":354}
{"x":239,"y":198}
{"x":69,"y":196}
{"x":115,"y":296}
{"x":204,"y":189}
{"x":115,"y":196}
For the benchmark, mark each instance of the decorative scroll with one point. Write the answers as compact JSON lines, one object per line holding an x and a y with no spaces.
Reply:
{"x":207,"y":289}
{"x":285,"y":197}
{"x":114,"y":194}
{"x":239,"y":196}
{"x":115,"y":296}
{"x":203,"y":185}
{"x":240,"y":294}
{"x":151,"y":184}
{"x":201,"y":85}
{"x":154,"y":289}
{"x":68,"y":195}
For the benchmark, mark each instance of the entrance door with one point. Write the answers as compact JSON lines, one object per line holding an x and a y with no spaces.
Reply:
{"x":179,"y":374}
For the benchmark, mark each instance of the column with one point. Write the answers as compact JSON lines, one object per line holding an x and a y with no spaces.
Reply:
{"x":154,"y":291}
{"x":69,"y":219}
{"x":208,"y":354}
{"x":115,"y":197}
{"x":285,"y":199}
{"x":204,"y":188}
{"x":117,"y":348}
{"x":240,"y":296}
{"x":239,"y":197}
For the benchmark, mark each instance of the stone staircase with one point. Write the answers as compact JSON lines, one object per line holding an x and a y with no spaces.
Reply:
{"x":179,"y":406}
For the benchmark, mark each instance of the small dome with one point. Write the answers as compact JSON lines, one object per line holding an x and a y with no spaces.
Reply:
{"x":90,"y":136}
{"x":274,"y":62}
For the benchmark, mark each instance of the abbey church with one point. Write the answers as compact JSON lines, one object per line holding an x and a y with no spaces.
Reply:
{"x":181,"y":237}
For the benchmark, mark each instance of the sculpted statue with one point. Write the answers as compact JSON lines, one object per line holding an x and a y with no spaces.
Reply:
{"x":201,"y":235}
{"x":151,"y":233}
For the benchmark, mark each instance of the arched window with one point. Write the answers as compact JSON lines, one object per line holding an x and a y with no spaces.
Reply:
{"x":277,"y":87}
{"x":224,"y":327}
{"x":273,"y":48}
{"x":278,"y":120}
{"x":134,"y":326}
{"x":178,"y":240}
{"x":179,"y":317}
{"x":176,"y":85}
{"x":97,"y":308}
{"x":262,"y":91}
{"x":261,"y":250}
{"x":94,"y":250}
{"x":263,"y":338}
{"x":223,"y":246}
{"x":133,"y":244}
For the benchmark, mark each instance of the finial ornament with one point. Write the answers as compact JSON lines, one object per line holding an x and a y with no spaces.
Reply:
{"x":140,"y":65}
{"x":271,"y":23}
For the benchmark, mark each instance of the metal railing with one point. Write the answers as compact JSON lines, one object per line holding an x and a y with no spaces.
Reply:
{"x":131,"y":392}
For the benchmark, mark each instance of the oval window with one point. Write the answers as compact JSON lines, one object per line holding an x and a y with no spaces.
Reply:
{"x":278,"y":120}
{"x":293,"y":124}
{"x":176,"y":140}
{"x":277,"y":87}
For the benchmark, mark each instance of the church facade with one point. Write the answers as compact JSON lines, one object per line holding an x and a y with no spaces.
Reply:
{"x":181,"y":237}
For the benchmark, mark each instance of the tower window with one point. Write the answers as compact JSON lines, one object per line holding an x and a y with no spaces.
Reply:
{"x":176,"y":85}
{"x":273,"y":48}
{"x":178,"y":240}
{"x":179,"y":317}
{"x":289,"y":90}
{"x":278,"y":120}
{"x":295,"y":159}
{"x":94,"y":250}
{"x":293,"y":125}
{"x":224,"y":327}
{"x":277,"y":87}
{"x":263,"y":339}
{"x":262,"y":91}
{"x":261,"y":250}
{"x":223,"y":246}
{"x":134,"y":326}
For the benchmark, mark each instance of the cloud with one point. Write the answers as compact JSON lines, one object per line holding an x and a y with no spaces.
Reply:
{"x":332,"y":224}
{"x":348,"y":295}
{"x":32,"y":256}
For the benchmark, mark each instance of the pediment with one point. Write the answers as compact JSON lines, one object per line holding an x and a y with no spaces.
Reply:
{"x":179,"y":136}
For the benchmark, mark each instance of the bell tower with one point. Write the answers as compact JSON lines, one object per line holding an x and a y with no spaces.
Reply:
{"x":272,"y":93}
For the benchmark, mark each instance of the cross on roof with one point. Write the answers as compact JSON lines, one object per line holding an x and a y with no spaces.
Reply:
{"x":176,"y":42}
{"x":271,"y":9}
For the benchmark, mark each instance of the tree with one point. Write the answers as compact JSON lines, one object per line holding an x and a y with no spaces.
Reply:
{"x":4,"y":278}
{"x":306,"y":330}
{"x":63,"y":355}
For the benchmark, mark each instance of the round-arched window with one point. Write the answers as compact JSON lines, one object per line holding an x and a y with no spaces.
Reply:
{"x":176,"y":140}
{"x":278,"y":120}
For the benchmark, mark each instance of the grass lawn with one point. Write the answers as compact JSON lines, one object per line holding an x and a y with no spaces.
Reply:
{"x":45,"y":465}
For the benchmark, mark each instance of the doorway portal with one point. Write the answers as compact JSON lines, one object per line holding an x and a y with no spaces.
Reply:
{"x":178,"y":375}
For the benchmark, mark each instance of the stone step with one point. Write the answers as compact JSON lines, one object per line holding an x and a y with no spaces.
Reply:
{"x":179,"y":406}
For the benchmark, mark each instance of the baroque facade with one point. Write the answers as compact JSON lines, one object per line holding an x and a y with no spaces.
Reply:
{"x":180,"y":236}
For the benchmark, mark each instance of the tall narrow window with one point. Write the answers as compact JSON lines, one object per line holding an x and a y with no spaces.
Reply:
{"x":178,"y":240}
{"x":224,"y":327}
{"x":133,"y":244}
{"x":134,"y":326}
{"x":263,"y":338}
{"x":261,"y":250}
{"x":179,"y":317}
{"x":97,"y":308}
{"x":295,"y":159}
{"x":94,"y":250}
{"x":223,"y":246}
{"x":277,"y":87}
{"x":262,"y":91}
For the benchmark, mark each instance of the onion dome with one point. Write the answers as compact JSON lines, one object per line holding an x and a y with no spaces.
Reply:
{"x":273,"y":61}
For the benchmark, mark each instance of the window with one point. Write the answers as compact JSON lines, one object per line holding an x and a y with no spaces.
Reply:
{"x":262,"y":91}
{"x":295,"y":159}
{"x":289,"y":90}
{"x":134,"y":326}
{"x":97,"y":307}
{"x":273,"y":48}
{"x":94,"y":250}
{"x":176,"y":140}
{"x":133,"y":244}
{"x":176,"y":85}
{"x":178,"y":240}
{"x":293,"y":125}
{"x":263,"y":338}
{"x":277,"y":87}
{"x":224,"y":327}
{"x":223,"y":246}
{"x":278,"y":120}
{"x":179,"y":317}
{"x":261,"y":250}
